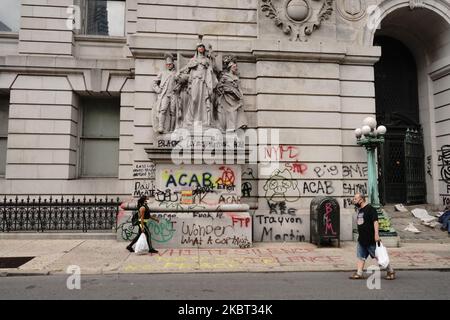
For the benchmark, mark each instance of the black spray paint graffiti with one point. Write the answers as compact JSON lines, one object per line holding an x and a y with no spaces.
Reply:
{"x":127,"y":230}
{"x":246,"y":189}
{"x":315,"y":187}
{"x":166,"y":196}
{"x":269,"y":235}
{"x":248,"y":173}
{"x":211,"y":234}
{"x":348,"y":170}
{"x":429,"y":167}
{"x":445,"y":158}
{"x":280,"y":208}
{"x":142,"y":188}
{"x":354,"y":188}
{"x":281,"y":187}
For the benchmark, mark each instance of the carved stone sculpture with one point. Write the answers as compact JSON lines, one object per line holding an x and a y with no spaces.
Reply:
{"x":195,"y":97}
{"x":230,"y":99}
{"x":202,"y":81}
{"x":164,"y":109}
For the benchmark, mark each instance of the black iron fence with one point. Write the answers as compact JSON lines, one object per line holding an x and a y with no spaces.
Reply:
{"x":58,"y":213}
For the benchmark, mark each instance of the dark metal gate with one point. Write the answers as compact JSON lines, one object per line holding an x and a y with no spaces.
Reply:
{"x":414,"y":167}
{"x":401,"y":158}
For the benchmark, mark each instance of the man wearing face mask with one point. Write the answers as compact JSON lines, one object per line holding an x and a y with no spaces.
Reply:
{"x":367,"y":221}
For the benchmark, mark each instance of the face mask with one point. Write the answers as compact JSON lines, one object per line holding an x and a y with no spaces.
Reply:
{"x":358,"y":205}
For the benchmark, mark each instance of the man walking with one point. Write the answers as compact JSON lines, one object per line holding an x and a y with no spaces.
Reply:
{"x":367,"y":222}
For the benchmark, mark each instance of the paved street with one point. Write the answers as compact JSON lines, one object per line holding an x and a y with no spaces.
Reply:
{"x":233,"y":286}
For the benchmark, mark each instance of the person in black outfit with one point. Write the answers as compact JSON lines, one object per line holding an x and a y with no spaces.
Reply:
{"x":368,"y":236}
{"x":144,"y":216}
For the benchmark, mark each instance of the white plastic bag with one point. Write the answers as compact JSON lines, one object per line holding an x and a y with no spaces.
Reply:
{"x":141,"y":246}
{"x":381,"y":255}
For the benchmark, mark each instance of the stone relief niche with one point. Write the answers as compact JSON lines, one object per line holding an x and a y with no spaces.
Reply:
{"x":352,"y":10}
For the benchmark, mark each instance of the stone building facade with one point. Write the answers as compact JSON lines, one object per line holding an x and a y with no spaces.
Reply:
{"x":76,"y":108}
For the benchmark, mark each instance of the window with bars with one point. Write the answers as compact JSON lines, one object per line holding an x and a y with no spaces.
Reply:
{"x":100,"y":137}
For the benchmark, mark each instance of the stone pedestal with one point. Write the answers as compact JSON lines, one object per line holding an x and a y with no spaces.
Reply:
{"x":198,"y":203}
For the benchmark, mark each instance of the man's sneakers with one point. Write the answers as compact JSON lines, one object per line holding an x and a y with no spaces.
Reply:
{"x":152,"y":251}
{"x":129,"y":248}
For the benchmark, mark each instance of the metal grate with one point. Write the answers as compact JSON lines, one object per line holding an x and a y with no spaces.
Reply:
{"x":13,"y":262}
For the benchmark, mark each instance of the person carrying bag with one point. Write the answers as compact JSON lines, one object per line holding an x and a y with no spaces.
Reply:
{"x":144,"y":216}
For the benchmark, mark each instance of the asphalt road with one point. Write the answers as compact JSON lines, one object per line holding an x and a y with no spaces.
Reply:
{"x":227,"y":286}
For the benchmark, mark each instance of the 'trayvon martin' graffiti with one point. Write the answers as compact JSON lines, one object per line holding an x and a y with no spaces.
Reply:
{"x":247,"y":309}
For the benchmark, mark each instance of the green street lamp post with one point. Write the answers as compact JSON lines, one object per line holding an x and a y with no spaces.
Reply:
{"x":370,"y":137}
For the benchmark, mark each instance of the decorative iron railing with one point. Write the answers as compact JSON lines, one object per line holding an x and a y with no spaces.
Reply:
{"x":58,"y":213}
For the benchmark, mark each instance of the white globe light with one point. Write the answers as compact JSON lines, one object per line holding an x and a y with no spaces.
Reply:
{"x":366,"y":130}
{"x":358,"y":133}
{"x":371,"y":122}
{"x":381,"y":130}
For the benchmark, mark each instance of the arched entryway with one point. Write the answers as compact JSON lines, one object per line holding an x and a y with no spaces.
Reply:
{"x":411,"y":81}
{"x":401,"y":158}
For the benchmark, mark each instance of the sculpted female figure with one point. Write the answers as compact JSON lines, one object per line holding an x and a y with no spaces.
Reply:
{"x":230,"y":99}
{"x":201,"y":84}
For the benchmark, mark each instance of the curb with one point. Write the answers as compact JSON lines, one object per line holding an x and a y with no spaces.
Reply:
{"x":58,"y":273}
{"x":24,"y":274}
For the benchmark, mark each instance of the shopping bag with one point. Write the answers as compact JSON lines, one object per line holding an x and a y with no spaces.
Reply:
{"x":381,"y":255}
{"x":141,"y":246}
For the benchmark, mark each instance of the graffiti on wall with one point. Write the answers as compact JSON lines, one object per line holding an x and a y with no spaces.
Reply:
{"x":281,"y":186}
{"x":429,"y":166}
{"x":192,"y":185}
{"x":194,"y":229}
{"x":144,"y":171}
{"x":444,"y":158}
{"x":144,"y":187}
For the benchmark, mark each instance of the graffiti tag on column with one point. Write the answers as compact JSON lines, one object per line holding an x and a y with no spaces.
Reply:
{"x":327,"y":218}
{"x":445,"y":158}
{"x":429,"y":166}
{"x":246,"y":189}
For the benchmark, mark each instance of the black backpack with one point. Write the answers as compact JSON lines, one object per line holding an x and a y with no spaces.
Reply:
{"x":135,"y":218}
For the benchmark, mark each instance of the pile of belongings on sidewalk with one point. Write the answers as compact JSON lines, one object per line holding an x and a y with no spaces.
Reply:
{"x":425,"y":218}
{"x":444,"y":218}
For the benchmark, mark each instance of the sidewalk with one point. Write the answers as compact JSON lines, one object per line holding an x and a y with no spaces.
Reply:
{"x":111,"y":257}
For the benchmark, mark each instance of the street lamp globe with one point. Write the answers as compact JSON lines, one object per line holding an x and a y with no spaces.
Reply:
{"x":366,"y":130}
{"x":381,"y":130}
{"x":371,"y":122}
{"x":358,"y":133}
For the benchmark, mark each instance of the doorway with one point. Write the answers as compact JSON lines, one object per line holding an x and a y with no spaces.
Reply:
{"x":401,"y":157}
